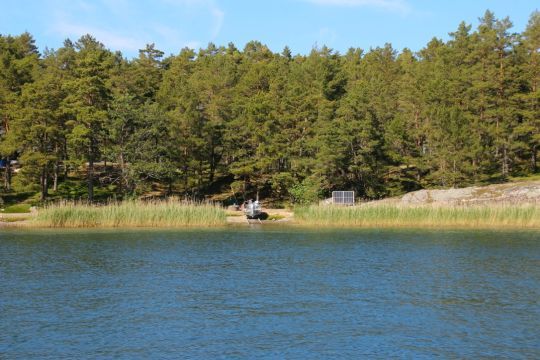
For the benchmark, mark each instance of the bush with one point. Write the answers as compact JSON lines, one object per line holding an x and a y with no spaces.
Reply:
{"x":281,"y":184}
{"x":307,"y":192}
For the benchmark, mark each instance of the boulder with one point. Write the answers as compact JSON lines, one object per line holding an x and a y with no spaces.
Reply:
{"x":509,"y":193}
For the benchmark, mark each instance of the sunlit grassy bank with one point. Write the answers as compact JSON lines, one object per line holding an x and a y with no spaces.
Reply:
{"x":168,"y":213}
{"x":493,"y":216}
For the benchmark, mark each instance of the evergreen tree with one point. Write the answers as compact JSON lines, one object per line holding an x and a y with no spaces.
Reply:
{"x":296,"y":127}
{"x":18,"y":65}
{"x":527,"y":131}
{"x":38,"y":131}
{"x":87,"y":103}
{"x":492,"y":87}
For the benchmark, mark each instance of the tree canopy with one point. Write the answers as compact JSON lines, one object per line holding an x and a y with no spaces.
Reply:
{"x":290,"y":127}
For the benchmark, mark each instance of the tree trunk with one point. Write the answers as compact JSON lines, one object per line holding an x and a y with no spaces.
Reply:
{"x":122,"y":173}
{"x":7,"y":175}
{"x":454,"y":174}
{"x":7,"y":170}
{"x":505,"y":162}
{"x":44,"y":184}
{"x":200,"y":178}
{"x":90,"y":179}
{"x":533,"y":159}
{"x":55,"y":175}
{"x":65,"y":160}
{"x":212,"y":165}
{"x":186,"y":178}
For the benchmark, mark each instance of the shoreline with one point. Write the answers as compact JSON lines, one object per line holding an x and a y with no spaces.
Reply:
{"x":382,"y":216}
{"x":281,"y":224}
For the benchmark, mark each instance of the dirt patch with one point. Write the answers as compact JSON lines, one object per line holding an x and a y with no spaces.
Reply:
{"x":13,"y":217}
{"x":274,"y":216}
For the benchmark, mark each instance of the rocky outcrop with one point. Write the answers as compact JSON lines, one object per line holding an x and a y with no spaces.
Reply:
{"x":510,"y":193}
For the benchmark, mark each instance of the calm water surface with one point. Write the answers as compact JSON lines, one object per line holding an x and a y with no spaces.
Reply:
{"x":267,"y":292}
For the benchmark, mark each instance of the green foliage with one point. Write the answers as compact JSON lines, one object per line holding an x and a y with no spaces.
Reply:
{"x":281,"y":183}
{"x":16,"y":198}
{"x":77,"y":190}
{"x":307,"y":192}
{"x":290,"y":128}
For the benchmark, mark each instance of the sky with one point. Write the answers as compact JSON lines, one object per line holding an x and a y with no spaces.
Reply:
{"x":127,"y":25}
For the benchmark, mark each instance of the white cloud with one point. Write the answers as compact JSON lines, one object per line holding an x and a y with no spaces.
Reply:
{"x":400,"y":6}
{"x":186,"y":23}
{"x":174,"y":37}
{"x":109,"y":38}
{"x":219,"y":17}
{"x":217,"y":14}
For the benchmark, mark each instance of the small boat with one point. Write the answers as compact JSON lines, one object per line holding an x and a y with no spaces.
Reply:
{"x":253,"y":209}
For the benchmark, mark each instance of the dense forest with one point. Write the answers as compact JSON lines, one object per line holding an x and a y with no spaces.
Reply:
{"x":222,"y":120}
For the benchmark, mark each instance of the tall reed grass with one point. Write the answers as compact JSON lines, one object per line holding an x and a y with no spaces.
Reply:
{"x":166,"y":213}
{"x":493,"y":216}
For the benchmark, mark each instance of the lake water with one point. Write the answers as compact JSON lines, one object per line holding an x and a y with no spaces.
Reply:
{"x":269,"y":292}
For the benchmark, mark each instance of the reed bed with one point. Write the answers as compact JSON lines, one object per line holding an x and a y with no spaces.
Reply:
{"x":165,"y":213}
{"x":493,"y":216}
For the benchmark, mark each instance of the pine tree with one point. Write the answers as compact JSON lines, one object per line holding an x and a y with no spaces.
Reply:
{"x":39,"y":129}
{"x":527,"y":132}
{"x":18,"y":66}
{"x":142,"y":77}
{"x":87,"y":103}
{"x":404,"y":135}
{"x":380,"y":122}
{"x":493,"y":86}
{"x":247,"y":141}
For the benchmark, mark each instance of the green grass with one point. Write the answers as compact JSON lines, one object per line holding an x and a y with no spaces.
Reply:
{"x":533,"y":177}
{"x":17,"y":209}
{"x":16,"y":198}
{"x":166,"y":213}
{"x":494,"y":216}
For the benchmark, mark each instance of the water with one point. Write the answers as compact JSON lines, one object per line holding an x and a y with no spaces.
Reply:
{"x":269,"y":292}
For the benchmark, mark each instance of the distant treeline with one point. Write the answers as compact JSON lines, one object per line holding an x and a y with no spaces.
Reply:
{"x":379,"y":122}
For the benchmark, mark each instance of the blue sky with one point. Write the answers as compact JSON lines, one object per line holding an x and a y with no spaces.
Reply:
{"x":127,"y":25}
